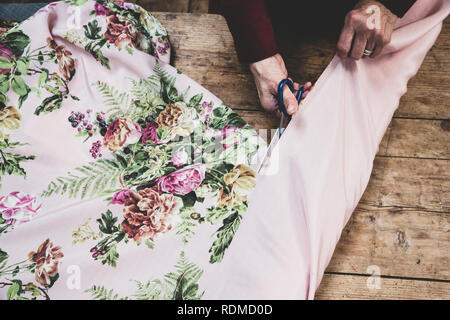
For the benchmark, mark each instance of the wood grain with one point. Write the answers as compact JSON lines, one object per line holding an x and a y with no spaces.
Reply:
{"x":418,"y":241}
{"x":212,"y":62}
{"x":417,"y":138}
{"x":198,"y":6}
{"x":166,"y":5}
{"x":403,"y":138}
{"x":423,"y":184}
{"x":339,"y":287}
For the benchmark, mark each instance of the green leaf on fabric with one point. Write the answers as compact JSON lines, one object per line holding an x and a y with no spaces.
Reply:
{"x":189,"y":199}
{"x":10,"y":163}
{"x":215,"y":214}
{"x":92,"y":30}
{"x":162,"y":132}
{"x":16,"y":41}
{"x":78,"y":2}
{"x":5,"y":63}
{"x":24,"y":97}
{"x":43,"y":78}
{"x":22,"y":65}
{"x":94,"y":178}
{"x":110,"y":257}
{"x":195,"y":100}
{"x":107,"y":223}
{"x":53,"y":280}
{"x":13,"y":290}
{"x":224,"y":236}
{"x":19,"y":86}
{"x":234,"y":120}
{"x":4,"y":83}
{"x":101,"y":293}
{"x":3,"y":255}
{"x":49,"y":104}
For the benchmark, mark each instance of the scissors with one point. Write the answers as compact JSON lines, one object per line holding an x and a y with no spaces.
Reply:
{"x":284,"y":121}
{"x":285,"y":116}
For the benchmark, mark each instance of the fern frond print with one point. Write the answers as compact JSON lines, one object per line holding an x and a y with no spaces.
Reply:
{"x":182,"y":284}
{"x":94,"y":178}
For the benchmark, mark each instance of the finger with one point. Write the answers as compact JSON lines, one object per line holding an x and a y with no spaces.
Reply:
{"x":289,"y":101}
{"x":382,"y":38}
{"x":269,"y":102}
{"x":376,"y":52}
{"x":307,"y":86}
{"x":345,"y":39}
{"x":305,"y":94}
{"x":370,"y":46}
{"x":379,"y":44}
{"x":277,"y":113}
{"x":359,"y":44}
{"x":306,"y":89}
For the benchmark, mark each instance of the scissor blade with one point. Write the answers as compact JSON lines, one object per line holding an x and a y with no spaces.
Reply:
{"x":270,"y":148}
{"x":284,"y":121}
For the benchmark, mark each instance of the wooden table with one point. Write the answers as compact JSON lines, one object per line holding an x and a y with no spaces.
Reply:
{"x":402,"y":224}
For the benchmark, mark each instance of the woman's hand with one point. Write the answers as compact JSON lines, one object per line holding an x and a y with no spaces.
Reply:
{"x":368,"y":26}
{"x":267,"y":74}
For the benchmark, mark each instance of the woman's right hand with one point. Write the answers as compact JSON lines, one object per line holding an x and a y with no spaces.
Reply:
{"x":267,"y":74}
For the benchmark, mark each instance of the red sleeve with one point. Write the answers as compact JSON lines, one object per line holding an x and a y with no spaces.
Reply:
{"x":251,"y":27}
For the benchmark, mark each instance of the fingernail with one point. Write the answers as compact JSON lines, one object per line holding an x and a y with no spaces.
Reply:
{"x":291,"y":109}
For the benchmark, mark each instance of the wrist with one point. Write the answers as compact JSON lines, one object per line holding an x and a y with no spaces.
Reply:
{"x":271,"y":64}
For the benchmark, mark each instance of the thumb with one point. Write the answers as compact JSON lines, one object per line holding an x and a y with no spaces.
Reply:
{"x":289,"y":101}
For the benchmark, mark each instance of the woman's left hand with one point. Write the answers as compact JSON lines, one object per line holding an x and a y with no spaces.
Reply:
{"x":369,"y":27}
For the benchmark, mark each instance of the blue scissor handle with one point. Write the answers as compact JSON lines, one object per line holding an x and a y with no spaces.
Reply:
{"x":281,"y":85}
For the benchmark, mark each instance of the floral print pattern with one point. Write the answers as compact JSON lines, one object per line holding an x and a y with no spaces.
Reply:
{"x":17,"y":208}
{"x":153,"y":177}
{"x":160,"y":162}
{"x":43,"y":263}
{"x":46,"y":258}
{"x":148,"y":213}
{"x":9,"y":120}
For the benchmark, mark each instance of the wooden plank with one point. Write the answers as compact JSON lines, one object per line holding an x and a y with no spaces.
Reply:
{"x":338,"y":287}
{"x":417,"y":138}
{"x":212,"y":62}
{"x":423,"y":184}
{"x":412,"y":183}
{"x":429,"y":94}
{"x":403,"y":138}
{"x":166,"y":5}
{"x":199,"y":6}
{"x":419,"y":241}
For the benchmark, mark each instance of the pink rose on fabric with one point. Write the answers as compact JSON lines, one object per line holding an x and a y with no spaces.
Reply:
{"x":122,"y":4}
{"x":5,"y":53}
{"x":17,"y":208}
{"x":206,"y":110}
{"x":120,"y":196}
{"x":228,"y":134}
{"x":149,"y":133}
{"x":99,"y":9}
{"x":182,"y":181}
{"x":179,"y":158}
{"x":121,"y":132}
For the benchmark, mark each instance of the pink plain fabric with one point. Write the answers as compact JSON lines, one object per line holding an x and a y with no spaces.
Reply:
{"x":296,"y":216}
